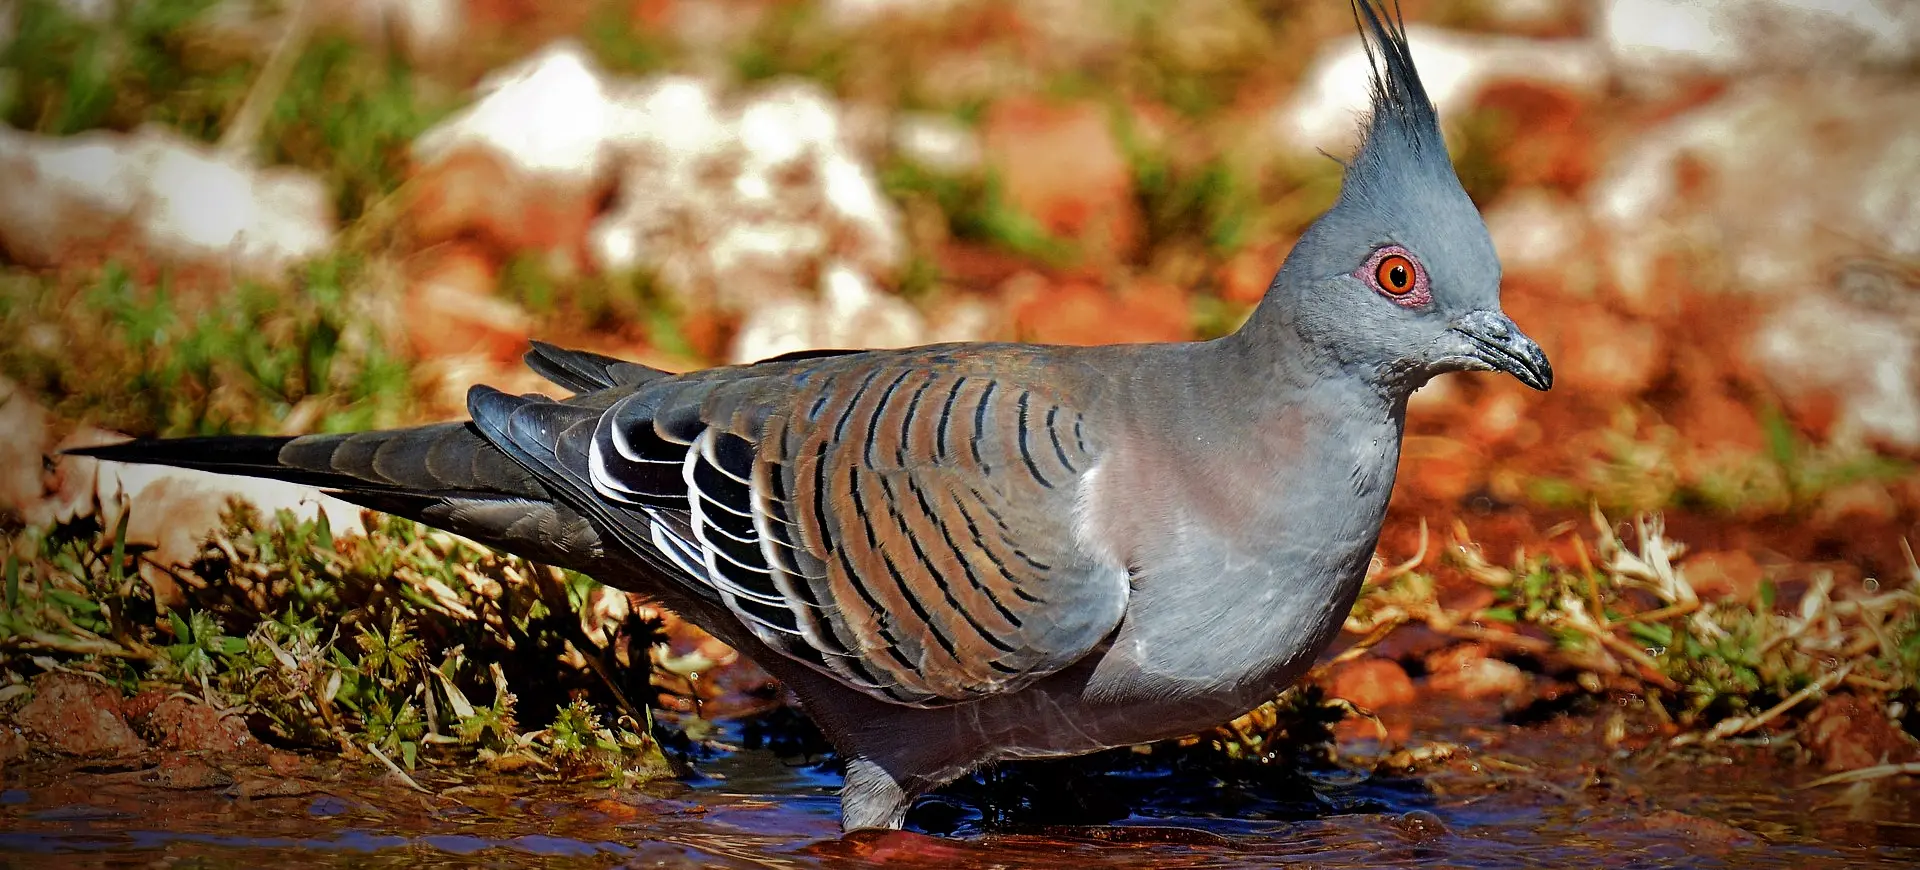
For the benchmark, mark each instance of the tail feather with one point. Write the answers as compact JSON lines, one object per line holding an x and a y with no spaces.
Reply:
{"x":583,"y":371}
{"x":445,"y":475}
{"x":252,"y":456}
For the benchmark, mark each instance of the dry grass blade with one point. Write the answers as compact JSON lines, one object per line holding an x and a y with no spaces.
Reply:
{"x":1740,"y":725}
{"x":1866,"y":774}
{"x":395,"y":769}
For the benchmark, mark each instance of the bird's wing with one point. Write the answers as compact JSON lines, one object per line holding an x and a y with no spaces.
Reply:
{"x":904,"y":522}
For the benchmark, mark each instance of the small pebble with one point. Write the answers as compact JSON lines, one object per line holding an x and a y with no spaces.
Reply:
{"x":1420,"y":825}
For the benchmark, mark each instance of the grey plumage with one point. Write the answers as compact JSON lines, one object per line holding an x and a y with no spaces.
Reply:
{"x":963,"y":553}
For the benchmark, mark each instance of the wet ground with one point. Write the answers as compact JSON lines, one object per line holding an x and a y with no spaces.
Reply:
{"x":1542,"y":796}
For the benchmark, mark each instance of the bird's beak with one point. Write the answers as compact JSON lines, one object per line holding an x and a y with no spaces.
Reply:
{"x":1489,"y":340}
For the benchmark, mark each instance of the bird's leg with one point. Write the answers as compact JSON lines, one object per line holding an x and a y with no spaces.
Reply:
{"x":871,"y":797}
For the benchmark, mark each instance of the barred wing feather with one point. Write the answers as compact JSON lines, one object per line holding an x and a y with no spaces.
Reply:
{"x":903,"y":522}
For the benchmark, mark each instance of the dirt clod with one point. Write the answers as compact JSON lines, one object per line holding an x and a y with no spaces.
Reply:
{"x":179,"y":724}
{"x":185,"y":773}
{"x":1724,"y":574}
{"x":1699,"y":830}
{"x":13,"y":746}
{"x":1373,"y":684}
{"x":74,"y":715}
{"x":1848,"y":732}
{"x":1468,"y":671}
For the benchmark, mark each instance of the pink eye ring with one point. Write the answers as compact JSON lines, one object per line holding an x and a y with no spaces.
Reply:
{"x":1393,"y":272}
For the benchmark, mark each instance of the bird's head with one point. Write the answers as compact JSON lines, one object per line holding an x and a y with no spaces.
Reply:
{"x":1399,"y":279}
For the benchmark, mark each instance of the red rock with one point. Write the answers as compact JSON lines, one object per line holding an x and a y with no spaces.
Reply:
{"x":1596,"y":351}
{"x":258,"y":787}
{"x":1469,"y":671}
{"x":74,"y":715}
{"x":451,"y":309}
{"x":874,"y":847}
{"x":179,"y":724}
{"x":474,"y":193}
{"x":1724,"y":574}
{"x":1244,"y":277}
{"x":185,"y":773}
{"x":1715,"y":419}
{"x":285,"y":763}
{"x":1061,"y":164}
{"x":1697,"y":830}
{"x":1847,"y":732}
{"x":1372,"y":684}
{"x":1076,"y":312}
{"x":1862,"y":502}
{"x":653,"y":16}
{"x":1553,"y":143}
{"x":142,"y":705}
{"x":1500,"y":417}
{"x":1441,"y":469}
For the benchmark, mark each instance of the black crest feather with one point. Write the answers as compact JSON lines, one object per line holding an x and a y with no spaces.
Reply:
{"x":1400,"y":104}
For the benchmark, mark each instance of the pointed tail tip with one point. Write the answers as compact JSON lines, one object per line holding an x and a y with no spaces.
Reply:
{"x":104,"y":451}
{"x":197,"y":452}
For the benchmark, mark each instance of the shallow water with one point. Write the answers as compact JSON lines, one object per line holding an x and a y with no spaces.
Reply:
{"x":1537,"y":797}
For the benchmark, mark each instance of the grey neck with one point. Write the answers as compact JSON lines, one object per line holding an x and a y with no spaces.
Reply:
{"x":1274,"y":341}
{"x":1250,"y":508}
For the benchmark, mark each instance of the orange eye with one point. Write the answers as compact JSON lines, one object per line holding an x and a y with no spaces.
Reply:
{"x":1395,"y":274}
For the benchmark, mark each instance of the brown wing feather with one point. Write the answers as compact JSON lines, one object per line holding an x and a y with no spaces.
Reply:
{"x":902,"y":521}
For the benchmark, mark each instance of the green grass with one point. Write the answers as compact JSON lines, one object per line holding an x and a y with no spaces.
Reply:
{"x":74,"y":75}
{"x":350,"y":115}
{"x":977,"y":210}
{"x":623,"y":48}
{"x":1207,"y":203}
{"x":1625,"y":617}
{"x":407,"y":640}
{"x":1638,"y":466}
{"x":148,"y":359}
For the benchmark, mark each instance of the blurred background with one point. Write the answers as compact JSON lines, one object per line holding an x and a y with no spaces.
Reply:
{"x":222,"y":216}
{"x":330,"y":214}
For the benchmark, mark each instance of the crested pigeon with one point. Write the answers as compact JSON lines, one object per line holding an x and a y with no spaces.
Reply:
{"x":964,"y":553}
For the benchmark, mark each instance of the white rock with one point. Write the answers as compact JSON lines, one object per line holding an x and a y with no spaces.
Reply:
{"x":1435,"y":396}
{"x":549,"y":115}
{"x":1326,"y":110}
{"x":1651,"y":39}
{"x":270,"y":496}
{"x":961,"y":319}
{"x":172,"y":508}
{"x":184,"y":201}
{"x":1796,"y":176}
{"x":23,"y":441}
{"x":1536,"y":230}
{"x":176,"y":509}
{"x":937,"y":142}
{"x":198,"y":201}
{"x":730,"y":200}
{"x":849,"y":312}
{"x":58,"y":192}
{"x":738,"y":202}
{"x":1867,"y":363}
